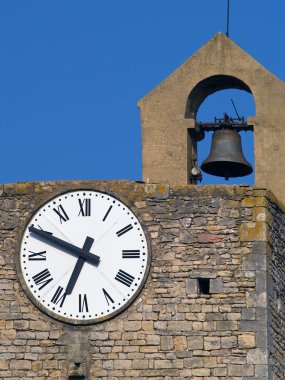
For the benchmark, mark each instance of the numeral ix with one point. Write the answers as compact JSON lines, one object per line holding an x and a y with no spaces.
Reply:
{"x":37,"y":256}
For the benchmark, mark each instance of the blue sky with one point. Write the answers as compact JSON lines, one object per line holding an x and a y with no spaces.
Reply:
{"x":71,"y":73}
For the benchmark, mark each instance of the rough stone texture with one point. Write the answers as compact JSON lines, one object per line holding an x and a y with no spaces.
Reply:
{"x":277,"y":292}
{"x":172,"y":330}
{"x":169,"y":111}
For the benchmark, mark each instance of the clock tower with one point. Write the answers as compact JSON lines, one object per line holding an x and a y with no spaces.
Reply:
{"x":157,"y":279}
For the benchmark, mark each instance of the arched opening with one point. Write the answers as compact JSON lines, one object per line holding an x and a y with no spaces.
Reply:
{"x":208,"y":87}
{"x":212,"y":98}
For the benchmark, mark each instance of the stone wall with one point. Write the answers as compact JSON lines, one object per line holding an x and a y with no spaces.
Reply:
{"x":203,"y":313}
{"x":277,"y":292}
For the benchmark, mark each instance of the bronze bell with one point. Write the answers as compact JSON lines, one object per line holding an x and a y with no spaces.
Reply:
{"x":226,"y":157}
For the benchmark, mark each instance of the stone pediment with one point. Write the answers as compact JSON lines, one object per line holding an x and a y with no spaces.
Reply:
{"x":168,"y":113}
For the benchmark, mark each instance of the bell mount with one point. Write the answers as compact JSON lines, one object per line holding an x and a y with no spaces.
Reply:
{"x":227,"y":122}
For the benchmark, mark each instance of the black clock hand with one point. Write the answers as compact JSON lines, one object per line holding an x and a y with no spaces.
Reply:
{"x":79,"y":264}
{"x":64,"y":245}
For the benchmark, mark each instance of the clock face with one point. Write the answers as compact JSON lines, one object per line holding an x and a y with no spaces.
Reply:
{"x":84,"y":257}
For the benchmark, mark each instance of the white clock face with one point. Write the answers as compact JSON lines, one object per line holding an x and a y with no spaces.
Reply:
{"x":84,"y":257}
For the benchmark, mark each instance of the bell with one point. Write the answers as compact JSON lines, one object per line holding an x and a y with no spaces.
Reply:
{"x":226,"y":157}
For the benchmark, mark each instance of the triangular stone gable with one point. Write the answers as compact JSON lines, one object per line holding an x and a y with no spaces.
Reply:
{"x":168,"y":113}
{"x":222,"y":51}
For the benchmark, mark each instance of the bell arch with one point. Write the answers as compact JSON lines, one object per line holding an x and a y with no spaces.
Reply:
{"x":209,"y":86}
{"x":168,"y":112}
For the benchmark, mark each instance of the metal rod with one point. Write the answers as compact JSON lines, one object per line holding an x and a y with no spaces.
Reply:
{"x":236,"y":109}
{"x":228,"y":19}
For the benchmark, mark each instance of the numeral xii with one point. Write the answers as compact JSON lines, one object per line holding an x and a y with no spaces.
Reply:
{"x":85,"y":207}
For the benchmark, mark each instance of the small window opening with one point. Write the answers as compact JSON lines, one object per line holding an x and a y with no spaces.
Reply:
{"x":76,"y":378}
{"x":204,"y":285}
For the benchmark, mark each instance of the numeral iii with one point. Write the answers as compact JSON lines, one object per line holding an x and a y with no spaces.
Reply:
{"x":131,"y":254}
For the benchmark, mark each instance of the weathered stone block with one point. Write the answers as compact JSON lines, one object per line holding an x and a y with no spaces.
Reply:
{"x":254,"y":262}
{"x":195,"y":342}
{"x":166,"y":343}
{"x":229,"y":342}
{"x":246,"y":341}
{"x":20,"y":364}
{"x":123,"y":364}
{"x":257,"y":356}
{"x":212,"y":343}
{"x":140,"y":364}
{"x":179,"y":343}
{"x":216,"y":286}
{"x":195,"y":362}
{"x":200,"y":372}
{"x":209,"y":238}
{"x":192,"y":285}
{"x":253,"y":231}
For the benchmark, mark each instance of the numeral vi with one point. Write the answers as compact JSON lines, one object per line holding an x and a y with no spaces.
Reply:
{"x":83,"y":305}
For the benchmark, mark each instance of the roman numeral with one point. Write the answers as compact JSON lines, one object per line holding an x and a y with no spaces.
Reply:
{"x":83,"y":303}
{"x":43,"y":278}
{"x":58,"y":296}
{"x":124,"y":230}
{"x":60,"y":211}
{"x":108,"y":297}
{"x":107,"y":213}
{"x":37,"y":256}
{"x":131,"y":254}
{"x":85,"y":207}
{"x":125,"y":278}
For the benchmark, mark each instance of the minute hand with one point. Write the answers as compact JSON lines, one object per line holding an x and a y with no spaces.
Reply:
{"x":89,"y":257}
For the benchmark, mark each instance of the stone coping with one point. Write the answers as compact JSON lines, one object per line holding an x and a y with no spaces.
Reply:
{"x":139,"y":189}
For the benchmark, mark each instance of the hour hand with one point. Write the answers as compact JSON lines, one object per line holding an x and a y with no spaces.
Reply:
{"x":66,"y":246}
{"x":79,"y":264}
